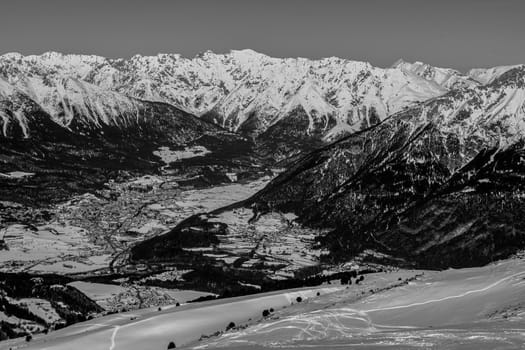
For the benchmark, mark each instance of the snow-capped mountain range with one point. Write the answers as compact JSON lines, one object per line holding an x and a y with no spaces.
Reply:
{"x":241,"y":91}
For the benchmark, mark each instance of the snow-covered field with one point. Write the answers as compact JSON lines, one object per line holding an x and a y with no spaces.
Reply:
{"x":170,"y":156}
{"x":273,"y":241}
{"x":17,"y":174}
{"x":55,"y":247}
{"x":216,"y":197}
{"x":129,"y":296}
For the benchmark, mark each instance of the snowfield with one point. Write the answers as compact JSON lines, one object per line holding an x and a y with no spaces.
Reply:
{"x":17,"y":174}
{"x":478,"y":308}
{"x":153,"y":329}
{"x":125,"y":296}
{"x":169,"y":156}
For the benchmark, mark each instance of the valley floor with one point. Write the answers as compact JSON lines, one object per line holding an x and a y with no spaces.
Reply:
{"x":473,"y":308}
{"x":87,"y":231}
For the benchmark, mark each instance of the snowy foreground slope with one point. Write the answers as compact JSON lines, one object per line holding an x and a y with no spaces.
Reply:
{"x":476,"y":307}
{"x":152,"y":329}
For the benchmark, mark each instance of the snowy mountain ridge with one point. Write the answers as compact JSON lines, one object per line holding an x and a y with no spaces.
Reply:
{"x":242,"y":90}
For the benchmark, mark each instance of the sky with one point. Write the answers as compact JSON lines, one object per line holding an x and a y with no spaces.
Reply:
{"x":460,"y":34}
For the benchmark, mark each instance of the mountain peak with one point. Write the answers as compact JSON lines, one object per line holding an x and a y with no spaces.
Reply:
{"x":487,"y":75}
{"x":399,"y":63}
{"x":247,"y":52}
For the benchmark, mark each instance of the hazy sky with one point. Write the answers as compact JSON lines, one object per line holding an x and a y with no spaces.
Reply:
{"x":452,"y":33}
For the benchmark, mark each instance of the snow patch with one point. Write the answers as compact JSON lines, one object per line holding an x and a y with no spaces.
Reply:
{"x":170,"y":156}
{"x":17,"y":174}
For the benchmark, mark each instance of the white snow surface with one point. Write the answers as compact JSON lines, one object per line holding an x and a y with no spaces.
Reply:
{"x":17,"y":174}
{"x":481,"y":308}
{"x":169,"y":156}
{"x":472,"y":308}
{"x":151,"y":329}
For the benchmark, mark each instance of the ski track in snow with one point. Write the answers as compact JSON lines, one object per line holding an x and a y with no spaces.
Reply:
{"x":113,"y":336}
{"x":449,"y":297}
{"x":327,"y":324}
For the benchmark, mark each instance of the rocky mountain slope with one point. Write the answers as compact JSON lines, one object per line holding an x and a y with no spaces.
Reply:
{"x":440,"y":184}
{"x":76,"y":136}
